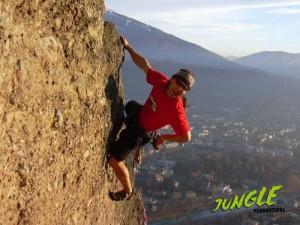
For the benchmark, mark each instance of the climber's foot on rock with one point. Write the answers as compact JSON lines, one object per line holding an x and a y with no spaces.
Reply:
{"x":120,"y":195}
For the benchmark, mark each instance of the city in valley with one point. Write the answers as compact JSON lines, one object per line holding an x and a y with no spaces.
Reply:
{"x":228,"y":155}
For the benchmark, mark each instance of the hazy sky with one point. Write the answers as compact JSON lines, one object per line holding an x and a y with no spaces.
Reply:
{"x":229,"y":28}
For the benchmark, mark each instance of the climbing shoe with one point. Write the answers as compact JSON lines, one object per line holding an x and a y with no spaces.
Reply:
{"x":120,"y":195}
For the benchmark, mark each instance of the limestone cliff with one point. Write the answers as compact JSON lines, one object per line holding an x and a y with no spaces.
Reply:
{"x":60,"y":103}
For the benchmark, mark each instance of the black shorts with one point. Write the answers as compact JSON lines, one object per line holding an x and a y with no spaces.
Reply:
{"x":129,"y":140}
{"x":132,"y":136}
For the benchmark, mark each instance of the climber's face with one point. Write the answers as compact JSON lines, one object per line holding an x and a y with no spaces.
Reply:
{"x":175,"y":88}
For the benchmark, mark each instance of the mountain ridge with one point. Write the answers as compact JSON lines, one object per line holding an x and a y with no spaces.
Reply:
{"x":277,"y":62}
{"x":168,"y":45}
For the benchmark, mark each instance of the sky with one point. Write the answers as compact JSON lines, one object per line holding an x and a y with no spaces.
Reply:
{"x":231,"y":28}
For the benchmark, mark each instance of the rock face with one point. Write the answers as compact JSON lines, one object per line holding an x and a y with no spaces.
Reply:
{"x":60,"y":103}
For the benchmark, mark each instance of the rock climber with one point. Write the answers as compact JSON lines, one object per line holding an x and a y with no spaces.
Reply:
{"x":164,"y":106}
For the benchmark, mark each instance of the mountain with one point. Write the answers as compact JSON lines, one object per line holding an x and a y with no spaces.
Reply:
{"x":281,"y":63}
{"x":159,"y":45}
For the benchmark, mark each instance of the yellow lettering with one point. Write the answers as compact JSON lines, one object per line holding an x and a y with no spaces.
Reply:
{"x":259,"y":201}
{"x":237,"y":203}
{"x":224,"y":206}
{"x":272,"y":194}
{"x":219,"y":202}
{"x":248,"y":197}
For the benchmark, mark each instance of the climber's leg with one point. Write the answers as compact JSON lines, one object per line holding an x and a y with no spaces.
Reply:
{"x":122,"y":173}
{"x":120,"y":149}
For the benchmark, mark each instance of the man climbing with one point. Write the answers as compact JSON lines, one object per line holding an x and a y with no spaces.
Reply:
{"x":164,"y":106}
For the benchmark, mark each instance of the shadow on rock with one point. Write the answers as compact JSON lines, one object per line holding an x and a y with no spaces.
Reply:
{"x":112,"y":92}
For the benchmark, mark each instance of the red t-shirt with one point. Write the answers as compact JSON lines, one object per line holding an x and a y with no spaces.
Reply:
{"x":160,"y":110}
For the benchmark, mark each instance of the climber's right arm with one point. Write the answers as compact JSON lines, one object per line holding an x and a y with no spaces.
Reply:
{"x":138,"y":59}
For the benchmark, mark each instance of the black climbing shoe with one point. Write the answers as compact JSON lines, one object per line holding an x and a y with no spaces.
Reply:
{"x":120,"y":195}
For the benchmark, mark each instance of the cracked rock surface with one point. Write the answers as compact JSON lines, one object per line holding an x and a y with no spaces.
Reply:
{"x":61,"y":97}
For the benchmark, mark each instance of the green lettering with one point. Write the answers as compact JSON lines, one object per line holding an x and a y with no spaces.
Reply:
{"x":272,"y":194}
{"x":224,"y":206}
{"x":259,"y":201}
{"x":237,"y":203}
{"x":248,"y":197}
{"x":219,"y":202}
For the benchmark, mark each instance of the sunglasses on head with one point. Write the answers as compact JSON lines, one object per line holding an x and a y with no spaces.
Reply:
{"x":181,"y":84}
